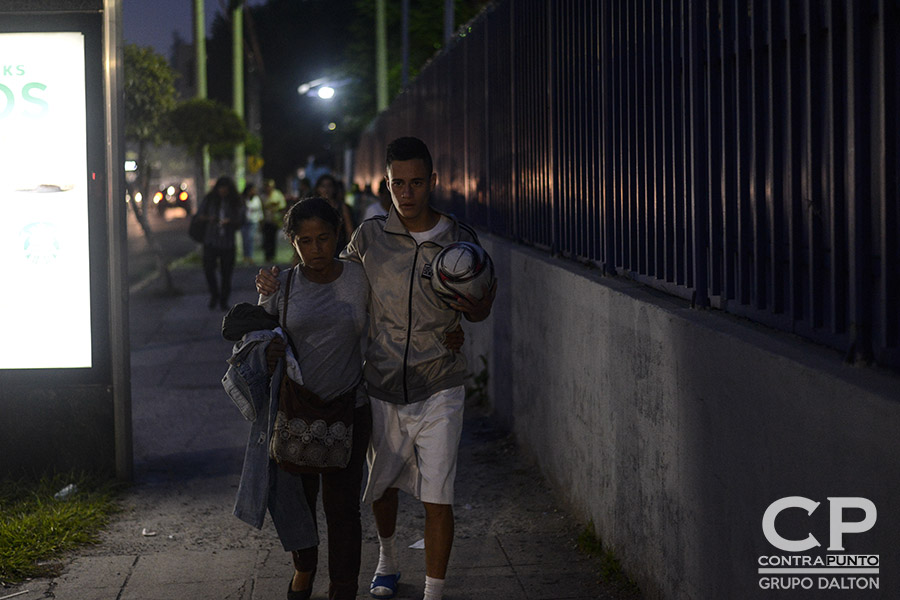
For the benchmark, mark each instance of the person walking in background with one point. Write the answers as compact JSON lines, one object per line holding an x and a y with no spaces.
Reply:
{"x":304,"y":188}
{"x":223,"y":212}
{"x":329,"y":188}
{"x":380,"y":205}
{"x":253,"y":217}
{"x":312,"y":170}
{"x":274,"y":205}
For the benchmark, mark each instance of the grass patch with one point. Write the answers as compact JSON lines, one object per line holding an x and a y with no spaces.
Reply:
{"x":36,"y":527}
{"x":610,"y":568}
{"x":194,"y":259}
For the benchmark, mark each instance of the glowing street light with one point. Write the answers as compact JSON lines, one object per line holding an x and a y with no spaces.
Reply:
{"x":324,"y":87}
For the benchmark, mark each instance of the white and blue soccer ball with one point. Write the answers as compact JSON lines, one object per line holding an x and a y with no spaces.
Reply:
{"x":462,"y":269}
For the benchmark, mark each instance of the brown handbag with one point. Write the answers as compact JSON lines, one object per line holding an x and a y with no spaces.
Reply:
{"x":310,"y":435}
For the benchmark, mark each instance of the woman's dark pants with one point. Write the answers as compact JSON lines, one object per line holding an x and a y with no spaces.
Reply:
{"x":213,"y":257}
{"x":340,"y":499}
{"x":270,"y":237}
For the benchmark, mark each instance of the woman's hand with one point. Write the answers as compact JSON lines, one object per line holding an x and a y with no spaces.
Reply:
{"x":275,"y":351}
{"x":267,"y":281}
{"x":453,"y":340}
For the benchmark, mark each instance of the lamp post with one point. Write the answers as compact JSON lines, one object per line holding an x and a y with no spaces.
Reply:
{"x":237,"y":36}
{"x":200,"y":59}
{"x":381,"y":55}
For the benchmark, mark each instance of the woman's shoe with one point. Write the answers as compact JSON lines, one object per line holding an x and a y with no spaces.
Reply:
{"x":303,"y":595}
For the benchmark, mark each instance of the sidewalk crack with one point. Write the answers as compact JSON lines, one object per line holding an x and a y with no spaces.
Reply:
{"x":128,"y":577}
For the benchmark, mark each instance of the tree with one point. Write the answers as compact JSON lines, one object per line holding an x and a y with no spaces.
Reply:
{"x":149,"y":86}
{"x":199,"y":122}
{"x":426,"y":31}
{"x":202,"y":122}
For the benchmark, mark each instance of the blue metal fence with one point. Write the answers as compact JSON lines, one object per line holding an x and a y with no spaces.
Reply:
{"x":743,"y":154}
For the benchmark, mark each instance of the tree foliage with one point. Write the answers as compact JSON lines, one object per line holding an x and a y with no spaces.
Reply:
{"x":149,"y":85}
{"x":199,"y":122}
{"x":426,"y":38}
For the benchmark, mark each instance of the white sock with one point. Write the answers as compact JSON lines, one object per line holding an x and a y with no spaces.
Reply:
{"x":388,"y":559}
{"x":434,"y":588}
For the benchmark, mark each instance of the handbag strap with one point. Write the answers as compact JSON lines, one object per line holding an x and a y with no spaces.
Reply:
{"x":304,"y":391}
{"x":284,"y":309}
{"x":287,"y":293}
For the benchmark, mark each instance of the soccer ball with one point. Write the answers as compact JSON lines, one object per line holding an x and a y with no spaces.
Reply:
{"x":461,"y":269}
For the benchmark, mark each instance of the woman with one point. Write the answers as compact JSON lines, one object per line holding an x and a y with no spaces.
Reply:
{"x":223,"y":212}
{"x":327,"y":317}
{"x":254,"y":212}
{"x":329,"y":188}
{"x":326,"y":321}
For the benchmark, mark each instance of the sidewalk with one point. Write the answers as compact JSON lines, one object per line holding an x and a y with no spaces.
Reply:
{"x":177,"y":539}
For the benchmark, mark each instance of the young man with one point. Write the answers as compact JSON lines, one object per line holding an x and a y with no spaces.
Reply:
{"x":415,"y":384}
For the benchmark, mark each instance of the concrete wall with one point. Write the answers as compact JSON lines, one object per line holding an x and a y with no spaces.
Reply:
{"x":673,"y":429}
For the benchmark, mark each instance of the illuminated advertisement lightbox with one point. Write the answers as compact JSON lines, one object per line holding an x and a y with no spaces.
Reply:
{"x":44,"y":241}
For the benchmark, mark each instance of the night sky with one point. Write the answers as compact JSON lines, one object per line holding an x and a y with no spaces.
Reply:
{"x":151,"y":22}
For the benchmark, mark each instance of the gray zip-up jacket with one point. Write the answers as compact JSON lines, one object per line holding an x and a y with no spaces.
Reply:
{"x":406,"y":360}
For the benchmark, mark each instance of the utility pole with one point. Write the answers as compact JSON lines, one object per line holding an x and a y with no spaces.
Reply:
{"x":200,"y":70}
{"x":405,"y":43}
{"x":448,"y":21}
{"x":381,"y":55}
{"x":237,"y":77}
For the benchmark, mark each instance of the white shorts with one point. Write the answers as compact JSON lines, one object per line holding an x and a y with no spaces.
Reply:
{"x":414,"y":446}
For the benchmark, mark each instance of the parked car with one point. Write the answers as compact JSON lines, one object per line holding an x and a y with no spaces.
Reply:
{"x":174,"y":195}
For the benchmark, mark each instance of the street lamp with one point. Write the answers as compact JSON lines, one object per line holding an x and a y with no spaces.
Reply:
{"x":324,"y":87}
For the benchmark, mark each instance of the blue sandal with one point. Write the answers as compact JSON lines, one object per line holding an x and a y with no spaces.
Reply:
{"x":384,"y":586}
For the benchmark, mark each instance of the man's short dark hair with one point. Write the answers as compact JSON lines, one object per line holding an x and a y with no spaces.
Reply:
{"x":408,"y":148}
